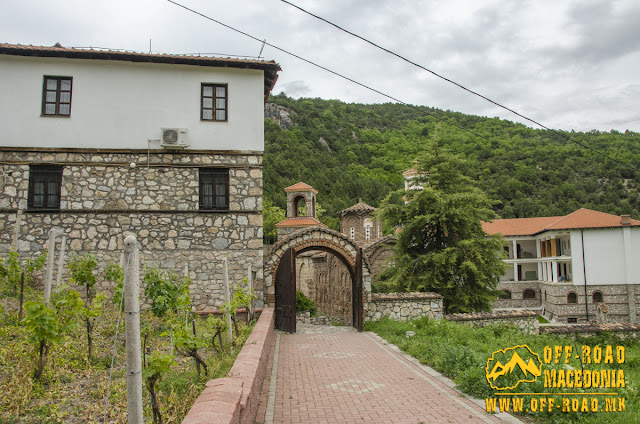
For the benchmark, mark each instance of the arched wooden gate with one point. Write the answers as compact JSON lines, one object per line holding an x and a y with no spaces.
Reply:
{"x":280,"y":272}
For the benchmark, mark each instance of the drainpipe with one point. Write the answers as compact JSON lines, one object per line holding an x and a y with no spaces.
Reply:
{"x":584,"y":271}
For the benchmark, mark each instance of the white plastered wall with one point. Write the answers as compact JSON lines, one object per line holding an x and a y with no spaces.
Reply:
{"x":611,"y":256}
{"x":117,"y":104}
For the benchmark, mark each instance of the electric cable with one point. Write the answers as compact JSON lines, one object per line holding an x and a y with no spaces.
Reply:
{"x":464,"y":88}
{"x":347,"y":78}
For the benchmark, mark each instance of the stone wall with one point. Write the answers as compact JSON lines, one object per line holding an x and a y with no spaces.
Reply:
{"x":305,"y":317}
{"x":621,"y":300}
{"x":527,"y":321}
{"x":403,"y":306}
{"x":379,"y":253}
{"x":620,"y":329}
{"x":103,"y":200}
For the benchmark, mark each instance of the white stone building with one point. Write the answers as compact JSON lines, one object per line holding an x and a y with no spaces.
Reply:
{"x":567,"y":265}
{"x":102,"y":144}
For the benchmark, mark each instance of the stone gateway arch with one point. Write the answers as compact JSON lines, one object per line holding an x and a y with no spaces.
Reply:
{"x":280,"y":272}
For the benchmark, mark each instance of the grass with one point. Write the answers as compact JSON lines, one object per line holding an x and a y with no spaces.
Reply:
{"x":461,"y":353}
{"x":73,"y":389}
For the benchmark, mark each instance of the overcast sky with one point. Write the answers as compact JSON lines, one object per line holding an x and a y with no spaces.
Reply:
{"x":568,"y":64}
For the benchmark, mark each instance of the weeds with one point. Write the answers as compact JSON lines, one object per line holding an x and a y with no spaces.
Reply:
{"x":461,"y":353}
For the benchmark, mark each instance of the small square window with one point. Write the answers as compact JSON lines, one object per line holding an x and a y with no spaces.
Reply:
{"x":56,"y":96}
{"x":44,"y":187}
{"x":214,"y":189}
{"x":213,"y":102}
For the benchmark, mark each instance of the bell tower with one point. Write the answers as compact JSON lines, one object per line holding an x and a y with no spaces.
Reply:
{"x":301,"y":209}
{"x":301,"y":201}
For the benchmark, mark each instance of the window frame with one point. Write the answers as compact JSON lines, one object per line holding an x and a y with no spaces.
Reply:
{"x":214,"y":109}
{"x":525,"y":294}
{"x":572,"y":298}
{"x":58,"y":91}
{"x":206,"y":172}
{"x":49,"y":172}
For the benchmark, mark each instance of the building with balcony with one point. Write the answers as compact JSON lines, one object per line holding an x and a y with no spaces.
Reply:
{"x":572,"y":267}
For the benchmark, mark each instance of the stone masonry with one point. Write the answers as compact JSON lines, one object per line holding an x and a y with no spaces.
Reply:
{"x":525,"y":320}
{"x":403,"y":306}
{"x":104,"y":199}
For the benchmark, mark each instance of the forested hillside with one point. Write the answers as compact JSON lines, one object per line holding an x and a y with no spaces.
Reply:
{"x":351,"y":151}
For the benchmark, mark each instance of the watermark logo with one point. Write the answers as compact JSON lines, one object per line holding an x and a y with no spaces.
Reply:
{"x":566,"y":379}
{"x":511,"y":366}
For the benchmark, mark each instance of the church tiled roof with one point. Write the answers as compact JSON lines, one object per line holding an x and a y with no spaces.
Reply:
{"x":358,"y":207}
{"x":301,"y":221}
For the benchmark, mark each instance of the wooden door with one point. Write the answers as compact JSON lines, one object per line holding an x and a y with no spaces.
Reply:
{"x":286,"y":293}
{"x":358,"y":318}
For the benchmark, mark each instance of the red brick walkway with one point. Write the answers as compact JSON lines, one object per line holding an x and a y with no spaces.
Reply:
{"x":350,"y":377}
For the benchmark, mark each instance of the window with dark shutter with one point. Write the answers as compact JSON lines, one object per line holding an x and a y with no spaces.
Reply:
{"x":56,"y":96}
{"x":213,"y":102}
{"x":44,"y":187}
{"x":214,"y":189}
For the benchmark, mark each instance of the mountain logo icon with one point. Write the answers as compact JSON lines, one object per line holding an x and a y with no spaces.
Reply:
{"x":521,"y":364}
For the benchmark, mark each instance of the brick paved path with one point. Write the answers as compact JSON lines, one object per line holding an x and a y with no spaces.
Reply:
{"x":337,"y":375}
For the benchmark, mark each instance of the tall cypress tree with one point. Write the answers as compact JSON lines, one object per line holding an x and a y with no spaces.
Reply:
{"x":441,"y":245}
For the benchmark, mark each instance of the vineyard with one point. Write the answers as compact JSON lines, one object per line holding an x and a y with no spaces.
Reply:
{"x":63,"y":356}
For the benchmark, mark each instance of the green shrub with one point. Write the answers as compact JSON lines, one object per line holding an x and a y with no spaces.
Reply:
{"x":303,"y":303}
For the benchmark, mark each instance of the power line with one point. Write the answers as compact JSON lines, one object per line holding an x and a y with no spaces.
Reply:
{"x":463,"y":87}
{"x":263,"y":41}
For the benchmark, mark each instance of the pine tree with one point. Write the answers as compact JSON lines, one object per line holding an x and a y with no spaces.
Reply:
{"x":441,"y":245}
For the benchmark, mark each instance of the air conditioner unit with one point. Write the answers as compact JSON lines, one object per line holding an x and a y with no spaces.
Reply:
{"x":174,"y":138}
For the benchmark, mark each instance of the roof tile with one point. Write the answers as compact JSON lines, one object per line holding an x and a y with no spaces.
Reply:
{"x":358,"y":207}
{"x":301,"y":187}
{"x":580,"y":219}
{"x":301,"y":221}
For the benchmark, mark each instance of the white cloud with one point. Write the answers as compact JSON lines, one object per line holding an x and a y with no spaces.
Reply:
{"x":571,"y":65}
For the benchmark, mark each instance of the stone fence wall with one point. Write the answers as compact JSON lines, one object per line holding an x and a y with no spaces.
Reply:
{"x":623,"y":329}
{"x":403,"y":306}
{"x":305,"y":317}
{"x":523,"y":319}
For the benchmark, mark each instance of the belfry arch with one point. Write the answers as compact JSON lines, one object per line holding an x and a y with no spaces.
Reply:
{"x":280,"y":271}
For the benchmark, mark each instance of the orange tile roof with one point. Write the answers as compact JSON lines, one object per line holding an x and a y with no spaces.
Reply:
{"x":518,"y":226}
{"x":580,"y":219}
{"x":301,"y":221}
{"x":587,"y":218}
{"x":410,"y":172}
{"x":301,"y":187}
{"x":413,"y":172}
